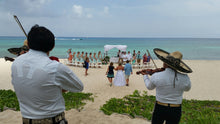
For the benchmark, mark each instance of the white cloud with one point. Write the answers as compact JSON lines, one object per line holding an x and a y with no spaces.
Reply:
{"x":106,"y":10}
{"x":78,"y":10}
{"x":89,"y":15}
{"x":185,"y":8}
{"x":26,"y":7}
{"x":204,"y":7}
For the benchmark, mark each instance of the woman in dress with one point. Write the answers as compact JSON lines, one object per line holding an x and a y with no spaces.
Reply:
{"x":86,"y":62}
{"x":134,"y":59}
{"x":70,"y":57}
{"x":99,"y":59}
{"x":110,"y":73}
{"x":82,"y":56}
{"x":94,"y":59}
{"x":119,"y":78}
{"x":74,"y":58}
{"x":145,"y":58}
{"x":90,"y":59}
{"x":99,"y":56}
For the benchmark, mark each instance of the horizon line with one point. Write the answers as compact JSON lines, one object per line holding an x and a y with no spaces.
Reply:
{"x":121,"y":37}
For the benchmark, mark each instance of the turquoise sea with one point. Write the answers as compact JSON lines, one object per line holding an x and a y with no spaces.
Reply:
{"x":192,"y":48}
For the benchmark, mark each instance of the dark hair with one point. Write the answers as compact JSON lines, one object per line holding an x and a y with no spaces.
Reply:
{"x":41,"y":39}
{"x":111,"y":64}
{"x":127,"y":61}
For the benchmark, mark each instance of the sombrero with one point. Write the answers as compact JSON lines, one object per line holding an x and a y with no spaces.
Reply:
{"x":174,"y":60}
{"x":17,"y":51}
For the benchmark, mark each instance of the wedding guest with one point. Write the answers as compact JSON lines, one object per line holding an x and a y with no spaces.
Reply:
{"x":86,"y":62}
{"x":134,"y":59}
{"x":68,"y":52}
{"x":138,"y":57}
{"x":134,"y":54}
{"x":94,"y":57}
{"x":82,"y":56}
{"x":145,"y":58}
{"x":110,"y":73}
{"x":129,"y":56}
{"x":119,"y":53}
{"x":90,"y":57}
{"x":120,"y":60}
{"x":78,"y":57}
{"x":148,"y":57}
{"x":74,"y":58}
{"x":99,"y":59}
{"x":128,"y":72}
{"x":86,"y":55}
{"x":70,"y":57}
{"x":124,"y":57}
{"x":99,"y":56}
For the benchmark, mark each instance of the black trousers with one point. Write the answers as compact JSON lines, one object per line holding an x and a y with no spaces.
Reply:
{"x":161,"y":113}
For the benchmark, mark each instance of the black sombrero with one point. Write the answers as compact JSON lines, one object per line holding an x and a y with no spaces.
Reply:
{"x":17,"y":51}
{"x":174,"y":60}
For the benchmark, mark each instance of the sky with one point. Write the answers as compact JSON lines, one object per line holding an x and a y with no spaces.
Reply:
{"x":114,"y":18}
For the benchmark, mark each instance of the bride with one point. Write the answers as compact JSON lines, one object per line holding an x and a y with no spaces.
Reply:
{"x":119,"y":78}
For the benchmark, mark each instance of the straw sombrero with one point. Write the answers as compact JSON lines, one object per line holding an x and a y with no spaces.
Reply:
{"x":17,"y":51}
{"x":174,"y":60}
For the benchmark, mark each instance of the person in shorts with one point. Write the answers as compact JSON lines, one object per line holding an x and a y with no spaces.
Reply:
{"x":128,"y":72}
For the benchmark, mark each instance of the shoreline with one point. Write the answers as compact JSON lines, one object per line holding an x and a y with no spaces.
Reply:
{"x":200,"y":78}
{"x":205,"y":86}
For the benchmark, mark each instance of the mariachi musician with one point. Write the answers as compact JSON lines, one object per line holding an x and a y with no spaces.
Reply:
{"x":170,"y":84}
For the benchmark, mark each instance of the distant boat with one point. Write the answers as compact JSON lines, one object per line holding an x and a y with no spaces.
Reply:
{"x":77,"y":39}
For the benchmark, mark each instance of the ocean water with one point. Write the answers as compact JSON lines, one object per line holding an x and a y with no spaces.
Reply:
{"x":191,"y":48}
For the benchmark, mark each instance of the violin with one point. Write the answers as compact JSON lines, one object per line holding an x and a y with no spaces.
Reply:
{"x":150,"y":71}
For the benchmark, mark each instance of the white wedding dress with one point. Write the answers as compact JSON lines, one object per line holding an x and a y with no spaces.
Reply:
{"x":119,"y":79}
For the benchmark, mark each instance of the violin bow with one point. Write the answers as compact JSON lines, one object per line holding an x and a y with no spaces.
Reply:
{"x":19,"y":23}
{"x":152,"y":59}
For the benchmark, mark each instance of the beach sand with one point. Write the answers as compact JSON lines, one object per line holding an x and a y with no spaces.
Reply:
{"x":205,"y":86}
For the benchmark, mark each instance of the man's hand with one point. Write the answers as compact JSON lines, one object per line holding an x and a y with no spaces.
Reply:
{"x":64,"y":90}
{"x":143,"y":73}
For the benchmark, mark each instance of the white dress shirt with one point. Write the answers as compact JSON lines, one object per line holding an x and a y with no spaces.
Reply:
{"x":129,"y":56}
{"x":124,"y":57}
{"x":38,"y":83}
{"x":163,"y":82}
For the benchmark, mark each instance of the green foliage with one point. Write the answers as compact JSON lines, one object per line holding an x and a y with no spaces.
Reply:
{"x":75,"y":100}
{"x":106,"y":60}
{"x":136,"y":105}
{"x":9,"y":100}
{"x":200,"y":112}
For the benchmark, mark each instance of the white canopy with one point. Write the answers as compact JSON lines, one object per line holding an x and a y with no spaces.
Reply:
{"x":120,"y":47}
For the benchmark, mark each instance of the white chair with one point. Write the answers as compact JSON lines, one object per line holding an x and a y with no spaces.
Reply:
{"x":150,"y":65}
{"x":69,"y":63}
{"x":145,"y":65}
{"x":99,"y":65}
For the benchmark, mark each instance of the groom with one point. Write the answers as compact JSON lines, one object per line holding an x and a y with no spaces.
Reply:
{"x":128,"y":71}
